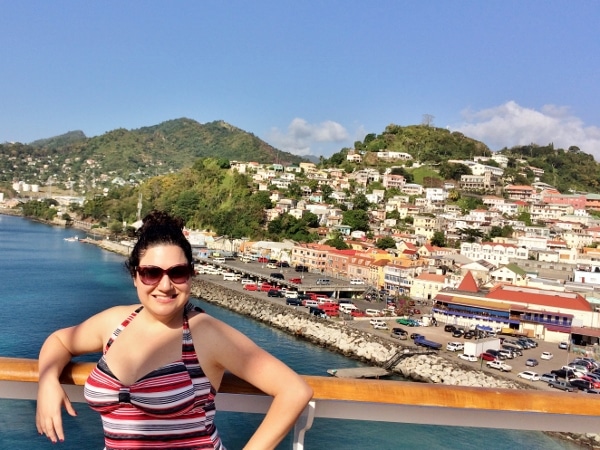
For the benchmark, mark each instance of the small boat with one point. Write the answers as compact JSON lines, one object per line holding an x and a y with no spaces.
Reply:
{"x":72,"y":239}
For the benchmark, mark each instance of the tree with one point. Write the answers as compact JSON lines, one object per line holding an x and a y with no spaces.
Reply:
{"x":310,"y":219}
{"x":438,"y":239}
{"x":525,"y":217}
{"x":326,"y":190}
{"x":453,"y":195}
{"x":385,"y":243}
{"x":337,"y":242}
{"x":453,"y":171}
{"x":469,"y":203}
{"x":470,"y":234}
{"x":357,"y":219}
{"x":360,"y":202}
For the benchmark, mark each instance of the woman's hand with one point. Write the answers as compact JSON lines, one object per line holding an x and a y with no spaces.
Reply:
{"x":48,"y":420}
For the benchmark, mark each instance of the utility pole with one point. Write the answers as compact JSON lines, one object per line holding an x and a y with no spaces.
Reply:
{"x":139,"y":207}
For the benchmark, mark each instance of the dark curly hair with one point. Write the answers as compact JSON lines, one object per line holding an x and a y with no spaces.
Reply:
{"x":159,"y":228}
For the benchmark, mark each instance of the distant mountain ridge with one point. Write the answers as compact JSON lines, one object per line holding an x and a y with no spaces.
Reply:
{"x":171,"y":145}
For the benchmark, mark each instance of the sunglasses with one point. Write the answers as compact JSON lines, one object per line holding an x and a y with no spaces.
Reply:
{"x":178,"y":274}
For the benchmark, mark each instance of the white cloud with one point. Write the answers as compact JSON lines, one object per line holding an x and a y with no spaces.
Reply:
{"x":301,"y":136}
{"x":510,"y":124}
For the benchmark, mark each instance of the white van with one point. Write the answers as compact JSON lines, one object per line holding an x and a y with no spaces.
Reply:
{"x":219,"y":260}
{"x":323,"y":281}
{"x":247,"y":281}
{"x":347,"y":307}
{"x":372,"y":312}
{"x":231,"y":277}
{"x":309,"y":303}
{"x":291,"y":294}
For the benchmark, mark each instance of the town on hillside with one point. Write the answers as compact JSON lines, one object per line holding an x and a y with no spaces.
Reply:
{"x":525,"y":258}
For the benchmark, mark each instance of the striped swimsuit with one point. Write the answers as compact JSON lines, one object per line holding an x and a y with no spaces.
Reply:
{"x":170,"y":408}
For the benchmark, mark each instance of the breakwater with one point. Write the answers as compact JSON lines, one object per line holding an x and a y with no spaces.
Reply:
{"x":367,"y":347}
{"x":349,"y":341}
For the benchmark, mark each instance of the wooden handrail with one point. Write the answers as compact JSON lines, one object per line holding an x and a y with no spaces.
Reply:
{"x":370,"y":391}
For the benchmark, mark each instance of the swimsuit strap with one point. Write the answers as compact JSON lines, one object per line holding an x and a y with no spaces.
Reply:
{"x":188,"y":307}
{"x":121,"y":327}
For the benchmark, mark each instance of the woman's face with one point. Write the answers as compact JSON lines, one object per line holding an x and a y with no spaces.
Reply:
{"x":165,"y":298}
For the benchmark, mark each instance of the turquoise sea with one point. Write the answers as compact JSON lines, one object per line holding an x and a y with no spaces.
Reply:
{"x":49,"y":283}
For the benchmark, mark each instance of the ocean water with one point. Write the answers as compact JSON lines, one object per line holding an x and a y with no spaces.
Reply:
{"x":49,"y":283}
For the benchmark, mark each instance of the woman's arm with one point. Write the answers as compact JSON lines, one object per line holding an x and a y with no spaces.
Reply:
{"x":231,"y":350}
{"x":55,"y":354}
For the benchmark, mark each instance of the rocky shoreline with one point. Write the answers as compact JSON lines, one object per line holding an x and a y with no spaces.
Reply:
{"x":349,"y":341}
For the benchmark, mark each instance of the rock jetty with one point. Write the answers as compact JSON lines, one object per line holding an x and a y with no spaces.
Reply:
{"x":349,"y":341}
{"x":364,"y":346}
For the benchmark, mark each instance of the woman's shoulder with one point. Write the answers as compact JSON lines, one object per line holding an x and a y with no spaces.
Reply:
{"x":119,"y":313}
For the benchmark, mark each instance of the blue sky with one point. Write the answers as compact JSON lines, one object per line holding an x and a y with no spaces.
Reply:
{"x":307,"y":77}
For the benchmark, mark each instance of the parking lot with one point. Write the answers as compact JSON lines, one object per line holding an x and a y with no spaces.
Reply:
{"x":437,"y":334}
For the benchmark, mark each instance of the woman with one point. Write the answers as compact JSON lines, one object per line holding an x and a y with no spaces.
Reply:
{"x":163,"y":360}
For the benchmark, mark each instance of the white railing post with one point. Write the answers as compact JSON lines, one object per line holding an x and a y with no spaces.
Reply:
{"x":303,"y":424}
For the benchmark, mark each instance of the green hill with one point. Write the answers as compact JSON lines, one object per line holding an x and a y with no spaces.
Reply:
{"x":426,"y":144}
{"x":162,"y":148}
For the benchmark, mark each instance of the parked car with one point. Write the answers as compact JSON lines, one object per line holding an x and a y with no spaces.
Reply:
{"x":356,"y":281}
{"x":458,"y":332}
{"x":516,"y":350}
{"x":399,"y":333}
{"x":562,"y":385}
{"x":275,"y":293}
{"x":317,"y":312}
{"x":449,"y":328}
{"x":301,"y":268}
{"x":295,"y":280}
{"x":454,"y":346}
{"x":563,"y":345}
{"x":503,"y":367}
{"x":293,"y":302}
{"x":563,"y":373}
{"x":470,"y":358}
{"x":378,"y":324}
{"x":282,"y":264}
{"x":407,"y":322}
{"x":531,"y":362}
{"x":582,"y":385}
{"x":547,"y":377}
{"x":595,"y":382}
{"x":496,"y":354}
{"x":546,"y":355}
{"x":250,"y":287}
{"x":271,"y":266}
{"x":589,"y":365}
{"x":506,"y":353}
{"x":487,"y":357}
{"x":262,"y":259}
{"x":528,"y":375}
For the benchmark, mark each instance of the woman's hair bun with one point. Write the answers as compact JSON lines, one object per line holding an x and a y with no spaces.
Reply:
{"x":160,"y":219}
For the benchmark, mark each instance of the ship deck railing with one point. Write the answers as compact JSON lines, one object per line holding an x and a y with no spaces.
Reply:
{"x":369,"y":400}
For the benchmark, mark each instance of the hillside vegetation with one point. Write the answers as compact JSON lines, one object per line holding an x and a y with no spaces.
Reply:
{"x":569,"y":170}
{"x":208,"y":195}
{"x":163,"y":148}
